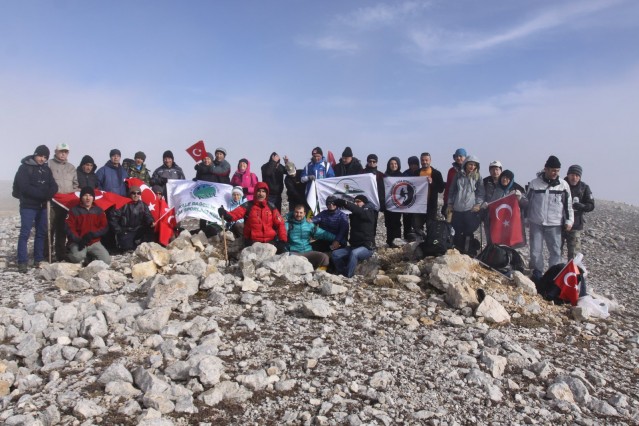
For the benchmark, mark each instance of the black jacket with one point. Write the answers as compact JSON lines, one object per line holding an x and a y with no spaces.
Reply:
{"x":130,"y":217}
{"x":35,"y":183}
{"x":295,"y":189}
{"x":350,"y":169}
{"x":87,"y":179}
{"x":273,"y":174}
{"x":581,"y":191}
{"x":362,"y":225}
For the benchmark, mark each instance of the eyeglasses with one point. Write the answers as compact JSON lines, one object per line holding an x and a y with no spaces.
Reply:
{"x":135,"y":193}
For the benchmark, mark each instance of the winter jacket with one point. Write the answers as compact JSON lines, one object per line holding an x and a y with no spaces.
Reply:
{"x":80,"y":221}
{"x":452,"y":172}
{"x":381,"y":190}
{"x":111,"y":178}
{"x":130,"y":217}
{"x":262,"y":221}
{"x":246,"y":180}
{"x":295,"y":189}
{"x":335,"y":222}
{"x":218,"y":171}
{"x":142,"y":173}
{"x":273,"y":174}
{"x":466,"y":191}
{"x":300,"y":233}
{"x":363,"y":221}
{"x":583,"y":193}
{"x":162,"y":174}
{"x":65,"y":176}
{"x":549,"y":202}
{"x":320,"y":170}
{"x":353,"y":168}
{"x":86,"y":179}
{"x":490,"y":186}
{"x":35,"y":183}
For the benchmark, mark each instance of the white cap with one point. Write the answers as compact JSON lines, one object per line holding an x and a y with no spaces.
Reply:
{"x":62,"y":147}
{"x":495,"y":163}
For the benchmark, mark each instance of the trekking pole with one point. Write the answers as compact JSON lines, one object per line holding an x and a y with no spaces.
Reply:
{"x":226,"y":252}
{"x":49,"y":228}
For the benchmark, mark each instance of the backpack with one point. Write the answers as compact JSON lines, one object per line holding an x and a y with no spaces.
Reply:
{"x":548,"y":289}
{"x":503,"y":258}
{"x":439,"y":238}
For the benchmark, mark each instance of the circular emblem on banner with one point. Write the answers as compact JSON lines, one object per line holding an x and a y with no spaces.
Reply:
{"x":204,"y":191}
{"x":402,"y":194}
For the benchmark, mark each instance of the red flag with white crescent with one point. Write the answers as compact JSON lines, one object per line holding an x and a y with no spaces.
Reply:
{"x":159,"y":210}
{"x":568,"y":281}
{"x":197,"y":151}
{"x":102,"y":199}
{"x":505,"y":221}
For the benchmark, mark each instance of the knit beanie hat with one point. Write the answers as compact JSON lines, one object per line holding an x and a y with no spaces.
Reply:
{"x":553,"y":163}
{"x":238,"y":190}
{"x":42,"y":150}
{"x":371,"y":157}
{"x":220,"y":149}
{"x":115,"y":151}
{"x":460,"y":151}
{"x":348,"y":152}
{"x":413,"y":160}
{"x":362,"y":198}
{"x":168,"y":154}
{"x":211,"y":156}
{"x":156,"y":189}
{"x":87,"y":159}
{"x":87,"y":190}
{"x":317,"y":150}
{"x":140,"y":155}
{"x":331,"y":199}
{"x":576,"y":169}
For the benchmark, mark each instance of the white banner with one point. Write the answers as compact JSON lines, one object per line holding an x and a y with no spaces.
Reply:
{"x":345,"y":187}
{"x":406,"y":194}
{"x":197,"y":199}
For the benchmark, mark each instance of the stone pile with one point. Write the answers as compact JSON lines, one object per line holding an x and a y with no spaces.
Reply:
{"x":178,"y":335}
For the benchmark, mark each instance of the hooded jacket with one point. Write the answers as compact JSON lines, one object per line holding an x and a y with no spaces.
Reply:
{"x":262,"y":221}
{"x":583,"y":193}
{"x":273,"y":174}
{"x":218,"y":171}
{"x":549,"y":202}
{"x":35,"y":184}
{"x":363,"y":221}
{"x":466,"y":190}
{"x":65,"y":175}
{"x":87,"y":179}
{"x":111,"y":178}
{"x":246,"y":180}
{"x":300,"y":233}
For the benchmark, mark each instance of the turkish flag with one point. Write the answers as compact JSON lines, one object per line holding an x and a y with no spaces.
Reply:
{"x":148,"y":196}
{"x":158,"y":208}
{"x":505,"y":221}
{"x":197,"y":151}
{"x":103,"y":199}
{"x":568,"y":281}
{"x":331,"y":159}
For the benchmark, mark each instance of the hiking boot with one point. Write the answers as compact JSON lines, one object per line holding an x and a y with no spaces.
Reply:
{"x":23,"y":268}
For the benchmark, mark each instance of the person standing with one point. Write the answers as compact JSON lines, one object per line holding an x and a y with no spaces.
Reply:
{"x":273,"y":172}
{"x":221,"y":168}
{"x":348,"y":165}
{"x":34,"y":185}
{"x":435,"y":187}
{"x":111,"y":176}
{"x":168,"y":170}
{"x":66,"y":176}
{"x":138,"y":168}
{"x":86,"y":173}
{"x":392,"y":220}
{"x":244,"y":178}
{"x":458,"y":159}
{"x":549,"y":210}
{"x":582,"y":202}
{"x":85,"y":224}
{"x":317,"y":168}
{"x":409,"y":218}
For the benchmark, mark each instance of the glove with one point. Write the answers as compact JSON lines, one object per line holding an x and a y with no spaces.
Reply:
{"x":311,"y":177}
{"x":281,"y":247}
{"x":222,"y":211}
{"x":340,"y":202}
{"x":578,"y":206}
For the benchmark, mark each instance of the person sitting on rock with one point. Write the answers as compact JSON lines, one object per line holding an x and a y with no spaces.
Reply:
{"x":85,"y":224}
{"x":362,"y":239}
{"x":132,"y":224}
{"x":334,"y":221}
{"x":300,"y":233}
{"x":262,"y":221}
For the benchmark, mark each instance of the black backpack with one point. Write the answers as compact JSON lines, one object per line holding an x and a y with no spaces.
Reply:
{"x":439,"y":238}
{"x":502,"y":258}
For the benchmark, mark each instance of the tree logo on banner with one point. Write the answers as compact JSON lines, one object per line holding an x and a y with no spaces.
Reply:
{"x":402,"y":193}
{"x":203,"y":191}
{"x":349,"y":189}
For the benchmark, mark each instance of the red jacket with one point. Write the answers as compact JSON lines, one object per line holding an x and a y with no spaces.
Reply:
{"x":263,"y":224}
{"x":81,"y":221}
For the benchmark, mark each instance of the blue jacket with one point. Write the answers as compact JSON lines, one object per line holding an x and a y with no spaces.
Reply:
{"x":322,"y":169}
{"x":335,"y":222}
{"x":301,"y":232}
{"x":111,"y":178}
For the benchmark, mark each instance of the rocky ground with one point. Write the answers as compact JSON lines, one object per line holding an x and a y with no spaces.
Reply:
{"x":178,"y":336}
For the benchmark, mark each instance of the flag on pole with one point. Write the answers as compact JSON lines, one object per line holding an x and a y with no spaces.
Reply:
{"x":198,"y":199}
{"x":102,"y":199}
{"x":406,"y":194}
{"x":568,"y":281}
{"x":345,"y":187}
{"x":505,"y":221}
{"x":197,"y":151}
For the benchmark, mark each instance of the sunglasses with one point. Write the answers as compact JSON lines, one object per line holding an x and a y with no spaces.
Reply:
{"x":135,"y":193}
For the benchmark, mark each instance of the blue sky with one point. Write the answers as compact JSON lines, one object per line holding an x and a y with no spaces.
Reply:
{"x":509,"y":80}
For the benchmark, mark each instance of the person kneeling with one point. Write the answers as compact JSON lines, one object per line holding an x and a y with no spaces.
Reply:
{"x":85,"y":224}
{"x":362,"y":240}
{"x":133,"y":223}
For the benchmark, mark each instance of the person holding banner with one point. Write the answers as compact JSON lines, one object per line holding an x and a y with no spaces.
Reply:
{"x":85,"y":224}
{"x":263,"y":223}
{"x":393,"y":220}
{"x":408,"y":218}
{"x":168,"y":170}
{"x":362,"y":239}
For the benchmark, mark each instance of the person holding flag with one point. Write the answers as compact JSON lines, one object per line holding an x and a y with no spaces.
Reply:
{"x":85,"y":224}
{"x":504,"y":217}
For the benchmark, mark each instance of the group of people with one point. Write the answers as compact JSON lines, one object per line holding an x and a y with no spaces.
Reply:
{"x":553,"y":207}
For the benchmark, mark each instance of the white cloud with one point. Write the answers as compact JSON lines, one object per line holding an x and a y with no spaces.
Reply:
{"x":367,"y":18}
{"x":330,"y":43}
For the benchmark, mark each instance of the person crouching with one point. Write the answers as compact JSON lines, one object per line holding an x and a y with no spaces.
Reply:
{"x":133,"y":223}
{"x":85,"y":224}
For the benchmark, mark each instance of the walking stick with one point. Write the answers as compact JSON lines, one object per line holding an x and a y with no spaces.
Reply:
{"x":226,"y":252}
{"x":49,"y":228}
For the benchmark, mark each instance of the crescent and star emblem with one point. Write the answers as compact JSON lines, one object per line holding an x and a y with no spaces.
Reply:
{"x":507,"y":207}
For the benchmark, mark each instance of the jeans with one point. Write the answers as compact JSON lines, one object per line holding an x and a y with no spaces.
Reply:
{"x":29,"y":218}
{"x":346,"y":259}
{"x":539,"y":234}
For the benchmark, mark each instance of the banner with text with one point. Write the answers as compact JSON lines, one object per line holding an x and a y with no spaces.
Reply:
{"x":406,"y":194}
{"x":198,"y":199}
{"x":345,"y":187}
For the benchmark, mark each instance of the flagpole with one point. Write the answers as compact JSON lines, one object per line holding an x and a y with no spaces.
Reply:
{"x":49,"y":228}
{"x":226,"y":252}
